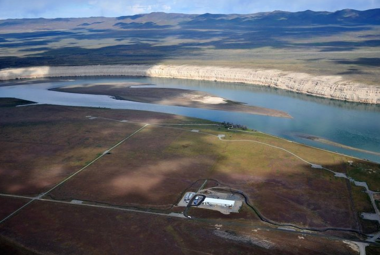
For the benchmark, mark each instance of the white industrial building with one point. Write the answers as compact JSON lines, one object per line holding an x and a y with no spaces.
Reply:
{"x":219,"y":202}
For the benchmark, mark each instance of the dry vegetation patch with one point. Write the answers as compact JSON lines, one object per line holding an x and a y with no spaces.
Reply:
{"x":9,"y":205}
{"x":41,"y":145}
{"x":145,"y":170}
{"x":104,"y":231}
{"x":34,"y":156}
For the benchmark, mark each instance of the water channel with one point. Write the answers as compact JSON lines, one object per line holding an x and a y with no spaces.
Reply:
{"x":351,"y":124}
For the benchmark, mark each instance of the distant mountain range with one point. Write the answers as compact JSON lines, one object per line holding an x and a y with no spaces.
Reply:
{"x":157,"y":20}
{"x":217,"y":38}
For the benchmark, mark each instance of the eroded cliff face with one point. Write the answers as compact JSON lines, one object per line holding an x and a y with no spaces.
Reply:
{"x":323,"y":86}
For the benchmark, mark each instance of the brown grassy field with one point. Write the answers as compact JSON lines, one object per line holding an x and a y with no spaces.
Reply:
{"x":144,"y":171}
{"x":49,"y":230}
{"x":9,"y":205}
{"x":37,"y":155}
{"x":155,"y":166}
{"x":275,"y":180}
{"x":360,"y":170}
{"x":361,"y":203}
{"x":41,"y":145}
{"x":373,"y":250}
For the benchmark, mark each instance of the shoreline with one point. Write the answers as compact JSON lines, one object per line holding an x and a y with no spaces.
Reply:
{"x":173,"y":97}
{"x":328,"y":142}
{"x":331,"y":87}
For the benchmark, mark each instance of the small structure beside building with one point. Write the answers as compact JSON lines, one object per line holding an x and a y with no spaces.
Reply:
{"x":188,"y":197}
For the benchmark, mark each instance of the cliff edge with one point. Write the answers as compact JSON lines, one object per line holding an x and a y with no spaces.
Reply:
{"x":333,"y":87}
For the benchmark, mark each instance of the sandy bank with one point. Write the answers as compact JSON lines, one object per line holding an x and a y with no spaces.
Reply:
{"x":171,"y":96}
{"x":333,"y":87}
{"x":325,"y":141}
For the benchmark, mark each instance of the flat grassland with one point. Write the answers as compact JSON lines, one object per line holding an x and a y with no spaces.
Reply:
{"x":37,"y":154}
{"x":149,"y":171}
{"x":144,"y":170}
{"x":157,"y":164}
{"x":41,"y":147}
{"x":69,"y":229}
{"x":9,"y":205}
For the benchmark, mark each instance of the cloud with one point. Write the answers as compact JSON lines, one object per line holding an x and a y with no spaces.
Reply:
{"x":114,"y":8}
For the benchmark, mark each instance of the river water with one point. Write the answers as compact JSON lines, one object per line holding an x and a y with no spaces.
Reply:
{"x":352,"y":124}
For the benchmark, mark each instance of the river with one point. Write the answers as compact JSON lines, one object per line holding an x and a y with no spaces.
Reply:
{"x":351,"y":124}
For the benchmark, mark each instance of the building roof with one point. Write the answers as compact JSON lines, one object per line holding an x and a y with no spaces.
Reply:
{"x":219,"y":201}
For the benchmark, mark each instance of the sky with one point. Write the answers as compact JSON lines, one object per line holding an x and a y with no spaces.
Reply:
{"x":116,"y":8}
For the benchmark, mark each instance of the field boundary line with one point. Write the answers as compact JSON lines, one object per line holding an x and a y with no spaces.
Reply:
{"x":93,"y":161}
{"x":19,"y":209}
{"x":39,"y":197}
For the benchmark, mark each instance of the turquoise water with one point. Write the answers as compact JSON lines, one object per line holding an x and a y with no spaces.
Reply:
{"x":351,"y":124}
